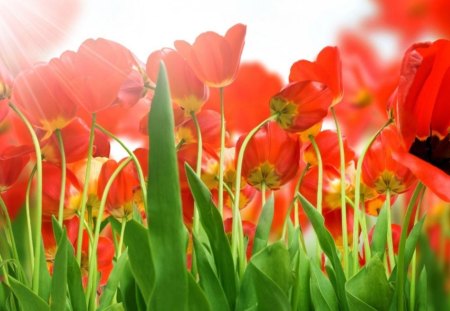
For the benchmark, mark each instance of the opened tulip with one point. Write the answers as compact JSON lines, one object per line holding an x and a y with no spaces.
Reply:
{"x":423,"y":115}
{"x":271,"y":158}
{"x":185,"y":88}
{"x":326,"y":69}
{"x":215,"y":59}
{"x":301,"y":105}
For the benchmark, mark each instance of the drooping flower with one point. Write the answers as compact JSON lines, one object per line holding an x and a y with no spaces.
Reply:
{"x":185,"y":88}
{"x":423,"y":115}
{"x":215,"y":59}
{"x":271,"y":158}
{"x":301,"y":105}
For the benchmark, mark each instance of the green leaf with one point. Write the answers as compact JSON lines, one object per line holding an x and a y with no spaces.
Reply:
{"x":196,"y":298}
{"x":140,"y":257}
{"x":213,"y":226}
{"x":44,"y":276}
{"x":329,"y":248}
{"x":369,"y":289}
{"x":422,"y":291}
{"x":74,"y":282}
{"x":379,"y":238}
{"x":59,"y":279}
{"x":259,"y":292}
{"x":322,"y":292}
{"x":113,"y":282}
{"x":209,"y":280}
{"x":129,"y":290}
{"x":300,"y":295}
{"x":264,"y":224}
{"x":114,"y":307}
{"x":28,"y":300}
{"x":165,"y":218}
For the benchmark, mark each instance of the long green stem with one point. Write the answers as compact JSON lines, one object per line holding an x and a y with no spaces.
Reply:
{"x":63,"y":177}
{"x":133,"y":157}
{"x":92,"y":276}
{"x":401,"y":271}
{"x":390,"y":240}
{"x":122,"y":233}
{"x":237,"y":239}
{"x":294,"y":204}
{"x":84,"y":195}
{"x":28,"y":215}
{"x":412,"y":292}
{"x":38,"y":224}
{"x":198,"y":169}
{"x":357,"y":211}
{"x":319,"y":186}
{"x":263,"y":194}
{"x":343,"y":187}
{"x":222,"y":151}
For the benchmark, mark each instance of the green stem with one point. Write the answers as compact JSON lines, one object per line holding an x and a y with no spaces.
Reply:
{"x":10,"y":234}
{"x":343,"y":194}
{"x":365,"y":235}
{"x":222,"y":150}
{"x":28,"y":215}
{"x":122,"y":233}
{"x":319,"y":187}
{"x":38,"y":224}
{"x":5,"y":273}
{"x":357,"y":211}
{"x":294,"y":204}
{"x":63,"y":177}
{"x":84,"y":195}
{"x":401,"y":271}
{"x":263,"y":194}
{"x":237,"y":239}
{"x":92,"y":276}
{"x":133,"y":157}
{"x":390,"y":240}
{"x":412,"y":292}
{"x":229,"y":191}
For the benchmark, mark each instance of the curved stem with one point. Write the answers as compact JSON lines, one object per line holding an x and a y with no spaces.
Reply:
{"x":63,"y":177}
{"x":222,"y":151}
{"x":357,"y":211}
{"x":319,"y":188}
{"x":198,"y":170}
{"x":92,"y":276}
{"x":84,"y":195}
{"x":28,"y":215}
{"x":5,"y":273}
{"x":401,"y":271}
{"x":133,"y":157}
{"x":237,"y":239}
{"x":343,"y":195}
{"x":38,"y":224}
{"x":412,"y":291}
{"x":122,"y":233}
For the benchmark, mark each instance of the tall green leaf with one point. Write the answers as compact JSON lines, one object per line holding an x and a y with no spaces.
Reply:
{"x":113,"y":282}
{"x":264,"y":224}
{"x":164,"y":216}
{"x":322,"y":292}
{"x":329,"y":248}
{"x":379,"y":239}
{"x":196,"y":298}
{"x":59,"y":280}
{"x":213,"y":226}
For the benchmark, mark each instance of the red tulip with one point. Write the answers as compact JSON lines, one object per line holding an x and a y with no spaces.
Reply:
{"x":301,"y":105}
{"x":423,"y":115}
{"x":215,"y":59}
{"x":271,"y":157}
{"x":326,"y":69}
{"x":185,"y":88}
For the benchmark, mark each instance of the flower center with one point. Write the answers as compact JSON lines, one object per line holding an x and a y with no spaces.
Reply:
{"x":433,"y":150}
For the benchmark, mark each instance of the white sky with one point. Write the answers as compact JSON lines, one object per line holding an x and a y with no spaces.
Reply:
{"x":279,"y":32}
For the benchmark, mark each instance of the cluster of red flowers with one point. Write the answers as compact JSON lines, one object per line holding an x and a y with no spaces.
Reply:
{"x":102,"y":84}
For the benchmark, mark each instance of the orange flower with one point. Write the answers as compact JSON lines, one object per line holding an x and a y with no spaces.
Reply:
{"x":43,"y":96}
{"x":300,"y":105}
{"x":100,"y":68}
{"x":326,"y":69}
{"x":185,"y":88}
{"x":120,"y":199}
{"x":215,"y":59}
{"x":423,"y":115}
{"x":271,"y":158}
{"x":380,"y":171}
{"x":10,"y":169}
